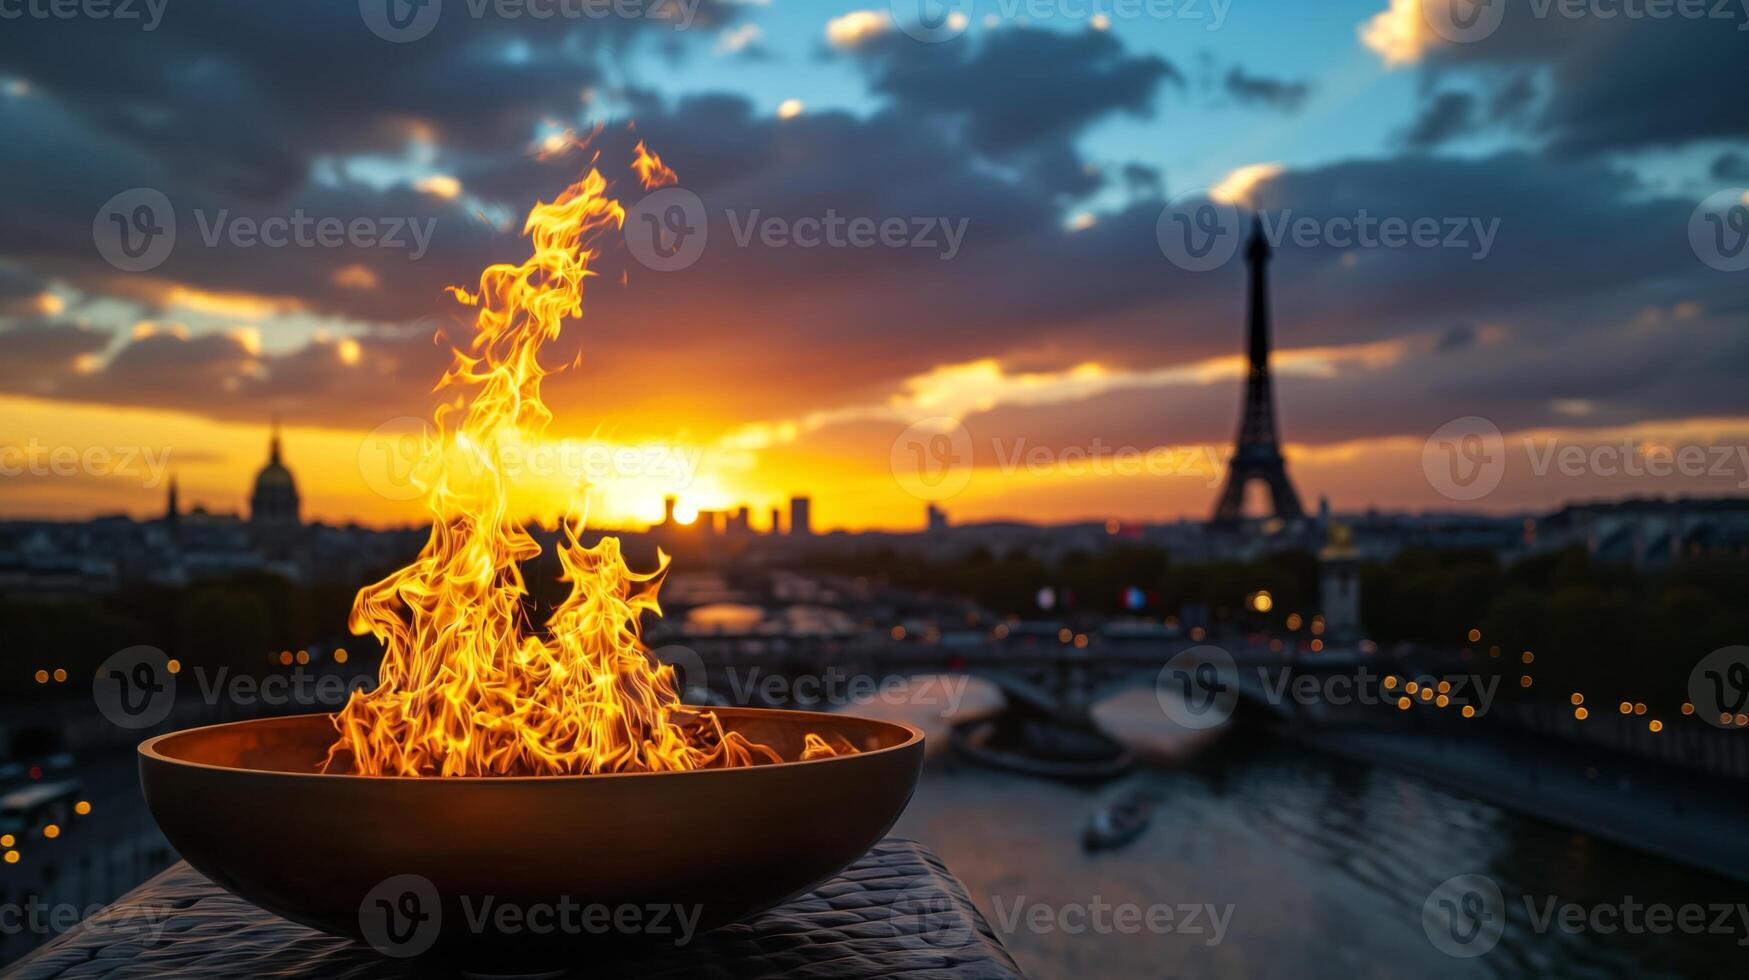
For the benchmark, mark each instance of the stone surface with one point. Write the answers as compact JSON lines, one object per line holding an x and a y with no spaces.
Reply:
{"x":897,"y":912}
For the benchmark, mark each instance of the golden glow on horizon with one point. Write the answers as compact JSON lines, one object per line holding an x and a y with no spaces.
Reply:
{"x":762,"y":465}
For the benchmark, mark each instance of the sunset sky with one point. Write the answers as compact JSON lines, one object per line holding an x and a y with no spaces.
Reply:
{"x":1058,"y":326}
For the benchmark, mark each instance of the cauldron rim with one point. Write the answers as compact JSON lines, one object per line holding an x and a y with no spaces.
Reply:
{"x":153,"y":749}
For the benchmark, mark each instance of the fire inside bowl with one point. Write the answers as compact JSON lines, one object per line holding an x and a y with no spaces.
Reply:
{"x":522,"y":871}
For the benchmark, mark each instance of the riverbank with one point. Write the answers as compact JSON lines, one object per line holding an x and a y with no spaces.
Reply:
{"x":1688,"y":817}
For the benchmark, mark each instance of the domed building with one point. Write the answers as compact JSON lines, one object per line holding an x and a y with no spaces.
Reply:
{"x":274,"y":524}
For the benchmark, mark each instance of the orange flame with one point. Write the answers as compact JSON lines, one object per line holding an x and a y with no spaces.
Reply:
{"x":651,"y":170}
{"x":466,"y":689}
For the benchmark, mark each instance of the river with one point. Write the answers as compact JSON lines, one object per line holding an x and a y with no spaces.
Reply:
{"x":1299,"y":865}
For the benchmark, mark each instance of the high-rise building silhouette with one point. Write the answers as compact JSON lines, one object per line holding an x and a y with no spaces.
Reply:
{"x":800,"y":519}
{"x":1257,"y":455}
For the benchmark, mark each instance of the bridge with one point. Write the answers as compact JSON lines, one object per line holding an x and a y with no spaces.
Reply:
{"x":1042,"y":676}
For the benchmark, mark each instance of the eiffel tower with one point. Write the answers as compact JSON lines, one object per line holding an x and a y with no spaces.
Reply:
{"x":1257,"y":455}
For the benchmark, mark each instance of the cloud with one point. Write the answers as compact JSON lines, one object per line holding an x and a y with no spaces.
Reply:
{"x":982,"y":131}
{"x":856,"y":28}
{"x":1661,"y":88}
{"x":1019,"y":96}
{"x":250,"y":95}
{"x":1399,"y":34}
{"x":1274,"y":93}
{"x":1441,"y":118}
{"x":34,"y":354}
{"x":1730,"y":165}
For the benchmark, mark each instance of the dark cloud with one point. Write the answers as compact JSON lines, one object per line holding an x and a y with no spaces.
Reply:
{"x":1444,"y":116}
{"x":1613,"y":84}
{"x":1731,"y":165}
{"x":1018,"y":95}
{"x":34,"y":356}
{"x":1142,"y":180}
{"x":19,"y":290}
{"x":977,"y":132}
{"x":1458,"y":336}
{"x":1259,"y":90}
{"x":248,"y":93}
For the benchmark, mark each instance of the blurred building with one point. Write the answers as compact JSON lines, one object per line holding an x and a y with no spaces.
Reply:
{"x":275,"y":526}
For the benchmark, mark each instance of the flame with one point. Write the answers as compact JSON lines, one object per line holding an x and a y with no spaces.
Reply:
{"x":651,"y":170}
{"x":466,"y":688}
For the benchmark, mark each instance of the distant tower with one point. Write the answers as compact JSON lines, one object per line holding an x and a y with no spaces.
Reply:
{"x":776,"y":521}
{"x":1257,"y":456}
{"x":800,"y":521}
{"x":936,"y":518}
{"x":274,"y":523}
{"x":1339,"y":587}
{"x":172,"y":510}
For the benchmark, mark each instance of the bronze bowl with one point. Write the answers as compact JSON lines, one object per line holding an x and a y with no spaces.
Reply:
{"x":426,"y":867}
